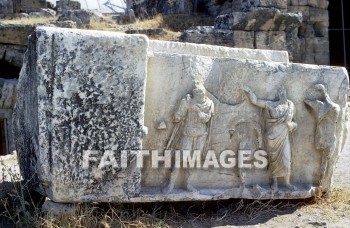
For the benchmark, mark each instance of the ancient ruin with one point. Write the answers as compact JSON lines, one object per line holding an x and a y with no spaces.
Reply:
{"x":109,"y":117}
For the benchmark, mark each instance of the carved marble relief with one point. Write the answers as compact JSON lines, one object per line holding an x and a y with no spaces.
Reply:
{"x":326,"y":113}
{"x":279,"y":130}
{"x":193,"y":121}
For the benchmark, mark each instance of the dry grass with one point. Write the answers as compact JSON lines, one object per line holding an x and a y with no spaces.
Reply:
{"x":106,"y":25}
{"x":335,"y":201}
{"x":185,"y":214}
{"x":29,"y":21}
{"x":175,"y":23}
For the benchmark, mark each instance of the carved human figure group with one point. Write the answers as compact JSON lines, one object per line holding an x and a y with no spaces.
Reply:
{"x":194,"y":117}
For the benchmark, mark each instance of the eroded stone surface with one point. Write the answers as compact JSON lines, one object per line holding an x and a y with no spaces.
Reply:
{"x":261,"y":19}
{"x":15,"y":34}
{"x":217,"y":51}
{"x":80,"y":91}
{"x":172,"y":76}
{"x":95,"y":102}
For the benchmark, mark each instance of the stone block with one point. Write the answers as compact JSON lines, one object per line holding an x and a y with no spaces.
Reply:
{"x":298,"y":50}
{"x":15,"y":34}
{"x":298,"y":2}
{"x":321,"y":28}
{"x":243,"y":39}
{"x":6,"y":7}
{"x":222,"y":37}
{"x":323,"y":4}
{"x":279,"y":4}
{"x":306,"y":30}
{"x":317,"y":14}
{"x":217,"y":51}
{"x":81,"y":17}
{"x":81,"y":93}
{"x":223,"y":79}
{"x":67,"y":5}
{"x":260,"y":19}
{"x":71,"y":101}
{"x":303,"y":9}
{"x":32,"y":5}
{"x":317,"y":51}
{"x":271,"y":40}
{"x":58,"y":210}
{"x":13,"y":54}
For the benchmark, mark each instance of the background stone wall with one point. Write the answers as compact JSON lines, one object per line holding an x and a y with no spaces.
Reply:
{"x":312,"y":43}
{"x":306,"y":42}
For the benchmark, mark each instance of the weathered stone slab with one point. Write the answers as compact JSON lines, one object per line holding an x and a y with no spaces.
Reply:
{"x":80,"y":92}
{"x":81,"y":17}
{"x":63,"y":6}
{"x":15,"y":34}
{"x":280,"y":4}
{"x":273,"y":40}
{"x":217,"y":51}
{"x":172,"y":76}
{"x":32,"y":5}
{"x":13,"y":54}
{"x":261,"y":19}
{"x":318,"y":14}
{"x":71,"y":101}
{"x":303,"y":9}
{"x":318,"y":3}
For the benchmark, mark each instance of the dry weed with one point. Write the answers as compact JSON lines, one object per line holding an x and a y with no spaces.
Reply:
{"x":28,"y":21}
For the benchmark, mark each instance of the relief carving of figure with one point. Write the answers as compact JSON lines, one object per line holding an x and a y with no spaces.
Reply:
{"x":192,"y":130}
{"x":279,"y":125}
{"x":326,"y":113}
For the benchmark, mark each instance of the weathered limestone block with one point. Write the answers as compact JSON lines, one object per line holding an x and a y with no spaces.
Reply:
{"x":246,"y":5}
{"x":7,"y":93}
{"x":223,"y":37}
{"x":243,"y":39}
{"x":306,"y":30}
{"x":318,"y":3}
{"x":64,"y":24}
{"x":13,"y":54}
{"x":270,"y":40}
{"x":261,"y":19}
{"x":298,"y":51}
{"x":217,"y":51}
{"x":81,"y":93}
{"x":317,"y":51}
{"x":321,"y":28}
{"x":81,"y":17}
{"x":67,"y":5}
{"x":71,"y":101}
{"x":298,"y":2}
{"x":224,"y":81}
{"x":280,"y":4}
{"x":15,"y":34}
{"x":303,"y":9}
{"x":318,"y":14}
{"x":6,"y":6}
{"x":32,"y":5}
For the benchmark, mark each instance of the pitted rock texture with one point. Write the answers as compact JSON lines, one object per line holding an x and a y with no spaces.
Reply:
{"x":79,"y":91}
